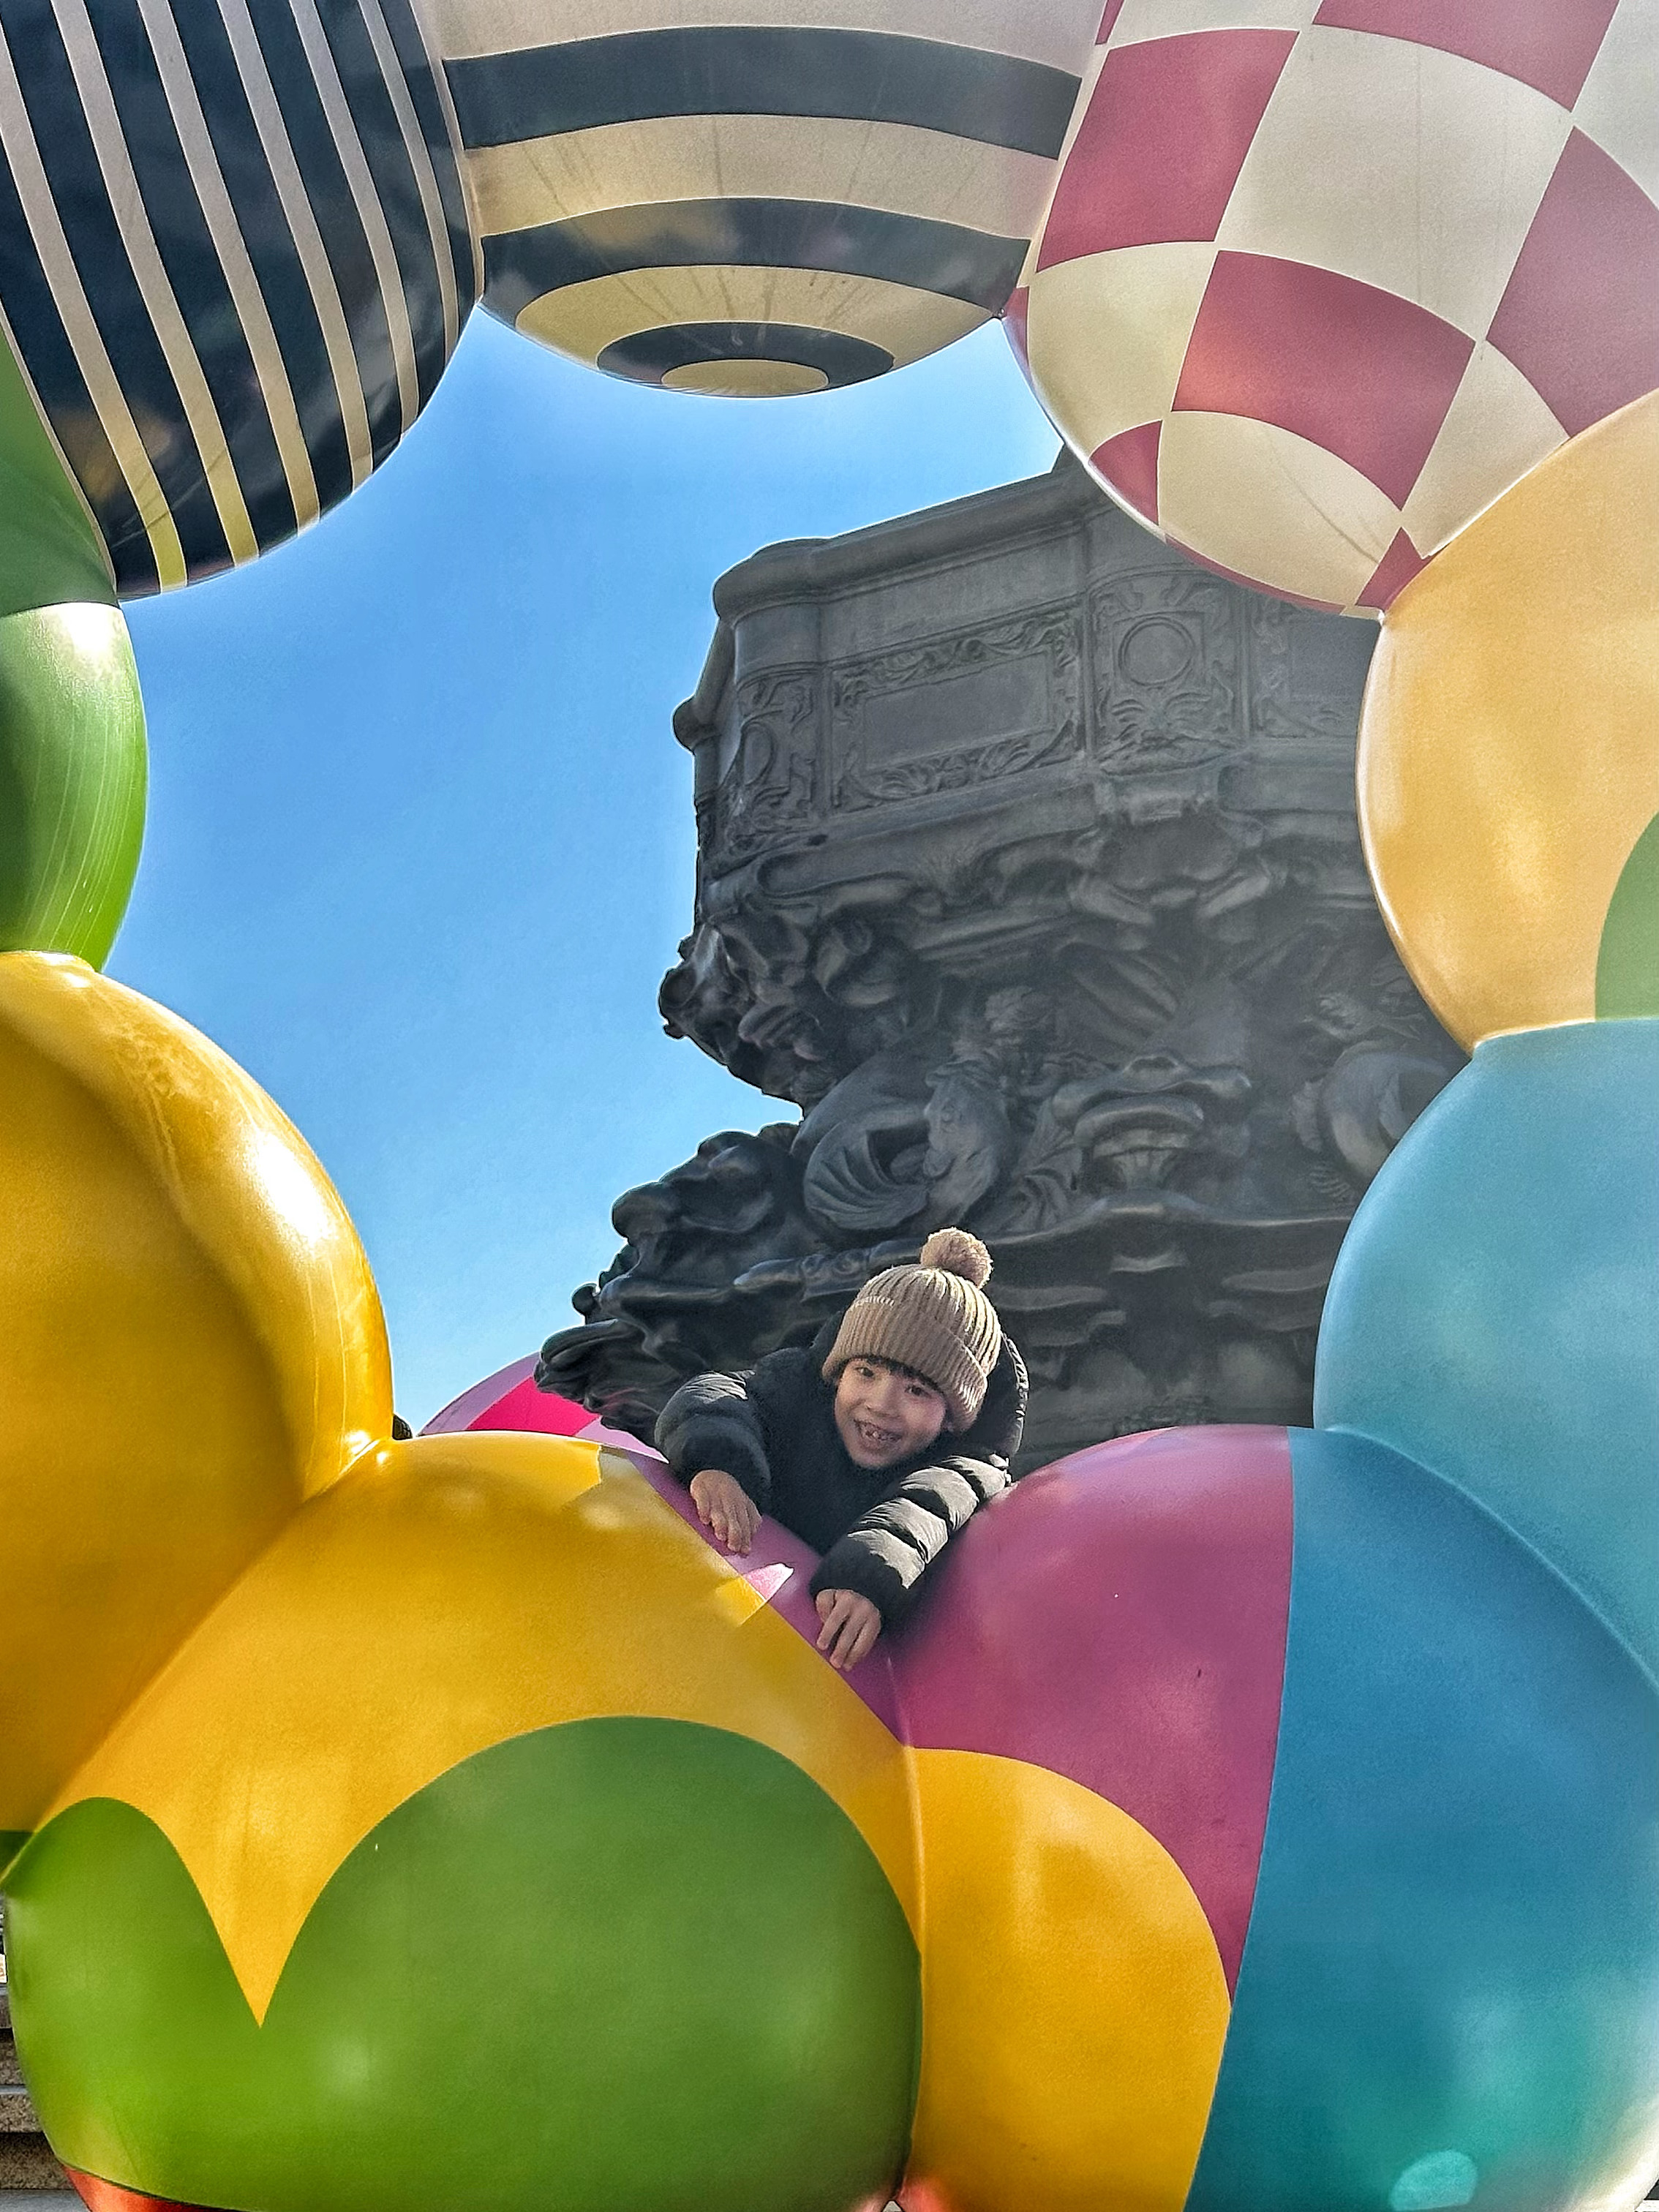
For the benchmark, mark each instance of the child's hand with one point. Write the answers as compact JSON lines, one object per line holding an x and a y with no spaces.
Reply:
{"x":851,"y":1626}
{"x":725,"y":1507}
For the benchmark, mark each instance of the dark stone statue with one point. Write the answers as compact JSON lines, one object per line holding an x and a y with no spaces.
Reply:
{"x":1029,"y":871}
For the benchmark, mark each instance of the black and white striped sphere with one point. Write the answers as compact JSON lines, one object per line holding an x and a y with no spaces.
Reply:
{"x":758,"y":197}
{"x":234,"y":258}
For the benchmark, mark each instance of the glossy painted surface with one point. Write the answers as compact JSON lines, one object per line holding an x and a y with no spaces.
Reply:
{"x":1508,"y":753}
{"x":1118,"y":1620}
{"x":448,"y":1596}
{"x":1450,"y":1990}
{"x":445,"y":1595}
{"x":509,"y":1400}
{"x":762,"y":200}
{"x":234,"y":258}
{"x":779,"y":1567}
{"x":1075,"y":2007}
{"x":662,"y":1966}
{"x":192,"y":1344}
{"x":218,"y":1956}
{"x":51,"y":552}
{"x":73,"y":778}
{"x":1627,"y":962}
{"x":1494,"y":1311}
{"x":1318,"y":285}
{"x":73,"y":771}
{"x":109,"y":2196}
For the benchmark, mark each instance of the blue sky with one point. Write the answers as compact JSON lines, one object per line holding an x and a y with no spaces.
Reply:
{"x":420,"y":842}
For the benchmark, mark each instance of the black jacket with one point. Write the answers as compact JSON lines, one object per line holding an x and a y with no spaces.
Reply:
{"x":880,"y":1528}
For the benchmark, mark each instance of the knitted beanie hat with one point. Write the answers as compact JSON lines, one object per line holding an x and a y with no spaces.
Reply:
{"x":934,"y":1318}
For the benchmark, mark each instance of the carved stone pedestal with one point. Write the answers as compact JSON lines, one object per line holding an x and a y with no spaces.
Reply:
{"x":1029,"y":871}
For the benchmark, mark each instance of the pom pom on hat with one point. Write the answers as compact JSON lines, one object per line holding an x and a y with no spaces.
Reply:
{"x":959,"y":1252}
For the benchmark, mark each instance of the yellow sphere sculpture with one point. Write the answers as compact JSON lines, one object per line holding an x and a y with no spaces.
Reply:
{"x":164,"y":1417}
{"x":1509,"y":750}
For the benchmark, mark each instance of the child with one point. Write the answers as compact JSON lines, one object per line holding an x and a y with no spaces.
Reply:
{"x":875,"y":1444}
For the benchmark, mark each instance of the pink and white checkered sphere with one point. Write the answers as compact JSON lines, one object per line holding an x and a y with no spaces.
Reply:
{"x":1319,"y":281}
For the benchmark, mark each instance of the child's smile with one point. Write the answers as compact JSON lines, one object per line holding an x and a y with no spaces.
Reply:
{"x":885,"y":1414}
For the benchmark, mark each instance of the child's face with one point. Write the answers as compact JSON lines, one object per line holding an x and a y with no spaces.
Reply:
{"x":883,"y":1415}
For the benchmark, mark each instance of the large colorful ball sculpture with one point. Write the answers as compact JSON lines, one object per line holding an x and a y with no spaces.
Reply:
{"x":1246,"y":1820}
{"x":1321,"y":278}
{"x":234,"y":258}
{"x":1526,"y":662}
{"x":758,"y":199}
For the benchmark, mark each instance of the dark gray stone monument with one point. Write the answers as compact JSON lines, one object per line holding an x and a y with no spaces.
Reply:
{"x":1029,"y":871}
